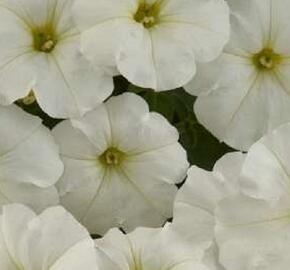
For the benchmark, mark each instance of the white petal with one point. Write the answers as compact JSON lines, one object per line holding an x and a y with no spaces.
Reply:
{"x":78,"y":154}
{"x":206,"y":77}
{"x":116,"y":248}
{"x":152,"y":177}
{"x":101,"y":51}
{"x":18,"y":127}
{"x":76,"y":144}
{"x":6,"y":262}
{"x":202,"y":25}
{"x":101,"y":19}
{"x":117,"y":192}
{"x":109,"y":125}
{"x":196,"y":200}
{"x":135,"y":130}
{"x":77,"y":86}
{"x":155,"y":59}
{"x":230,"y":167}
{"x":35,"y":160}
{"x":30,"y":12}
{"x":252,"y":234}
{"x":16,"y":74}
{"x":104,"y":262}
{"x":211,"y":258}
{"x":280,"y":30}
{"x":166,"y":249}
{"x":13,"y":228}
{"x":36,"y":198}
{"x":91,"y":13}
{"x":250,"y":19}
{"x":125,"y":113}
{"x":96,"y":127}
{"x":48,"y":241}
{"x":266,"y":171}
{"x":218,"y":109}
{"x":148,"y":249}
{"x":80,"y":256}
{"x":17,"y":78}
{"x":167,"y":164}
{"x":28,"y":151}
{"x":51,"y":237}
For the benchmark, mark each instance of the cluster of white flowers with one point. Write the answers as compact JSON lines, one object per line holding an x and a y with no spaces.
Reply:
{"x":111,"y":168}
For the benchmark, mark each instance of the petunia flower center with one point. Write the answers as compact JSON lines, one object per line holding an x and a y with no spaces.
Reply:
{"x":44,"y":39}
{"x":267,"y":59}
{"x":29,"y":99}
{"x":147,"y":14}
{"x":112,"y":157}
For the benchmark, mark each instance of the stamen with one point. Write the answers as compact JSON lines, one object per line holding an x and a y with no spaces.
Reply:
{"x":267,"y":59}
{"x":147,"y":14}
{"x":29,"y":99}
{"x":112,"y":157}
{"x":48,"y":46}
{"x":44,"y":39}
{"x":148,"y":20}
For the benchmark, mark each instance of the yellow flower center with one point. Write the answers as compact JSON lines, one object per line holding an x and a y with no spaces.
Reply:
{"x":29,"y":99}
{"x":147,"y":14}
{"x":112,"y":157}
{"x":44,"y":39}
{"x":267,"y":59}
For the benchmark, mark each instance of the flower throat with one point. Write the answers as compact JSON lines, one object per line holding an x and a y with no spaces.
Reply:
{"x":147,"y":14}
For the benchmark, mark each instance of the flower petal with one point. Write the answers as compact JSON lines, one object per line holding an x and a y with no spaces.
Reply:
{"x":52,"y":236}
{"x":36,"y":198}
{"x":196,"y":200}
{"x":202,"y":25}
{"x":117,"y":192}
{"x":266,"y":172}
{"x":28,"y":151}
{"x":155,"y":59}
{"x":78,"y":155}
{"x":262,"y":229}
{"x":77,"y":86}
{"x":88,"y":14}
{"x":35,"y":160}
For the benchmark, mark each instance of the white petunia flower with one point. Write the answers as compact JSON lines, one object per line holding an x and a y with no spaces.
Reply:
{"x":54,"y":240}
{"x":197,"y":199}
{"x":121,"y":164}
{"x":29,"y":160}
{"x":153,"y":43}
{"x":253,"y":229}
{"x":39,"y":50}
{"x":147,"y":249}
{"x":246,"y":92}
